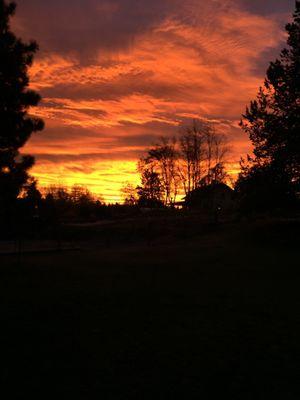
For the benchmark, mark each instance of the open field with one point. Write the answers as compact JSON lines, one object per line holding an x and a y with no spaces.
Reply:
{"x":214,"y":313}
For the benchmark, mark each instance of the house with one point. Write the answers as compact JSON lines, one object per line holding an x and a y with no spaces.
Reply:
{"x":216,"y":196}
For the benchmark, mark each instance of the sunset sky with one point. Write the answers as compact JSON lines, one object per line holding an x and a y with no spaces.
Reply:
{"x":116,"y":74}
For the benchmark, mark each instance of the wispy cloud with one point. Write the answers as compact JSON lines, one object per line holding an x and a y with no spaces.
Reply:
{"x":115,"y":74}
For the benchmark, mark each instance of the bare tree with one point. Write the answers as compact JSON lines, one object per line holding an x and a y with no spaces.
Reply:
{"x":192,"y":154}
{"x":163,"y":159}
{"x":129,"y":194}
{"x":57,"y":192}
{"x":202,"y":153}
{"x":194,"y":159}
{"x":216,"y":149}
{"x":80,"y":194}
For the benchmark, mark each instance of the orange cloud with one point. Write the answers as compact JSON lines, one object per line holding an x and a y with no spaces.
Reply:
{"x":204,"y":60}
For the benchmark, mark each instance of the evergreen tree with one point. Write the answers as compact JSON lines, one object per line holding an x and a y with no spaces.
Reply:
{"x":16,"y":125}
{"x":151,"y":192}
{"x":273,"y":122}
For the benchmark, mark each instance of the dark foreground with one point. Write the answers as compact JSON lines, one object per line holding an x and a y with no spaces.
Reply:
{"x":212,"y":315}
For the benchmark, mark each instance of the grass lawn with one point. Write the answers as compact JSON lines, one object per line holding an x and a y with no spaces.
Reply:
{"x":215,"y":315}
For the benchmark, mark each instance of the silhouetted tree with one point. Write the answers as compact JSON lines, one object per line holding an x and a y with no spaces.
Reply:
{"x":129,"y":194}
{"x":193,"y":159}
{"x":273,"y":124}
{"x":262,"y":188}
{"x":216,"y":174}
{"x":192,"y":153}
{"x":151,"y":192}
{"x":163,"y":158}
{"x":74,"y":202}
{"x":16,"y":125}
{"x":216,"y":150}
{"x":80,"y":195}
{"x":58,"y":193}
{"x":30,"y":193}
{"x":202,"y":153}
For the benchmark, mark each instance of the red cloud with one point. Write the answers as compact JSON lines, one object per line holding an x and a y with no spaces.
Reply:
{"x":200,"y":60}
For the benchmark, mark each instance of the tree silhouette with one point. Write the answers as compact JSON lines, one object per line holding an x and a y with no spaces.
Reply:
{"x":151,"y":192}
{"x":16,"y":125}
{"x":129,"y":194}
{"x":163,"y":157}
{"x":202,"y":152}
{"x":183,"y":163}
{"x":216,"y":174}
{"x":273,"y":124}
{"x":192,"y":154}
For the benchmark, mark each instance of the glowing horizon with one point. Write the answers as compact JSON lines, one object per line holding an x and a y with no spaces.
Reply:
{"x":114,"y":76}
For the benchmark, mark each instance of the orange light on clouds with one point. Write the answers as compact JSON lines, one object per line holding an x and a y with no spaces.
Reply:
{"x":198,"y":62}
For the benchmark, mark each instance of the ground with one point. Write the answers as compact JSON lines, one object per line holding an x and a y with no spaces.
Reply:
{"x":211,"y":315}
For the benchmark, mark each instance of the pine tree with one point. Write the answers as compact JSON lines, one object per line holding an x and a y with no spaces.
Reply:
{"x":273,"y":121}
{"x":151,"y":192}
{"x":16,"y":125}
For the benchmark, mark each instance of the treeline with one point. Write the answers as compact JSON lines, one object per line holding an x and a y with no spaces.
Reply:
{"x":33,"y":209}
{"x":191,"y":165}
{"x":42,"y":213}
{"x":176,"y":166}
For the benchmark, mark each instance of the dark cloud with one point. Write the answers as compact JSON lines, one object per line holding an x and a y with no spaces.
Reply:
{"x":54,"y":104}
{"x":124,"y":85}
{"x":90,"y":157}
{"x":263,"y":62}
{"x":142,"y":140}
{"x":56,"y":134}
{"x":86,"y":26}
{"x":81,"y":169}
{"x":206,"y":58}
{"x":117,"y":89}
{"x":127,"y":135}
{"x":267,"y":7}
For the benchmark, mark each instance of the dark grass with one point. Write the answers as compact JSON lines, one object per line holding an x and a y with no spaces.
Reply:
{"x":214,"y":315}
